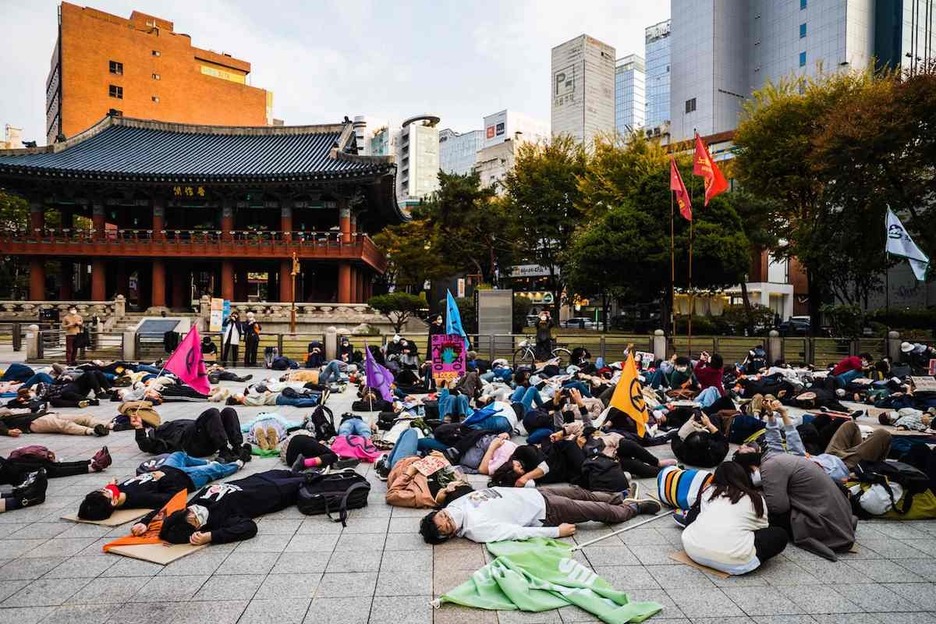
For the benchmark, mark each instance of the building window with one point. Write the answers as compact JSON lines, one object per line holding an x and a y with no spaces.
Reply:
{"x":115,"y":92}
{"x":116,"y":68}
{"x":155,"y":52}
{"x":802,"y":31}
{"x":155,"y":98}
{"x":690,"y":105}
{"x":802,"y":4}
{"x":155,"y":76}
{"x":802,"y":59}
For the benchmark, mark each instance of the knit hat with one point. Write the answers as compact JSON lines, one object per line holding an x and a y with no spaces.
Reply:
{"x":906,"y":347}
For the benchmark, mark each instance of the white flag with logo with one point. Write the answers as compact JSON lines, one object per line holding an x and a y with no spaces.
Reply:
{"x":899,"y":243}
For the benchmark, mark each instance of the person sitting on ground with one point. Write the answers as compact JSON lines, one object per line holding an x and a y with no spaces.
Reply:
{"x":731,"y":532}
{"x":224,"y":512}
{"x":496,"y":514}
{"x":849,"y":368}
{"x":803,"y":500}
{"x":917,"y":356}
{"x":152,"y":490}
{"x":29,"y":493}
{"x":209,"y":349}
{"x":15,"y":468}
{"x":709,"y":371}
{"x":407,"y":486}
{"x":699,"y":442}
{"x":212,"y":432}
{"x":345,"y":350}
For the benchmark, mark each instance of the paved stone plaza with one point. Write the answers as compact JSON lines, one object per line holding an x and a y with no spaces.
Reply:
{"x":307,"y":569}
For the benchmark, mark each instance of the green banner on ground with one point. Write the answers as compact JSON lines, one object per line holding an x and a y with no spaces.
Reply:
{"x":540,"y":574}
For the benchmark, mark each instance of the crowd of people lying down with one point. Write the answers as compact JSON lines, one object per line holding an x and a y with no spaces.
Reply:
{"x":763,"y":453}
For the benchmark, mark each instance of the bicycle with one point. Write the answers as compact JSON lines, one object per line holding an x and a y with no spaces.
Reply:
{"x":526,"y":354}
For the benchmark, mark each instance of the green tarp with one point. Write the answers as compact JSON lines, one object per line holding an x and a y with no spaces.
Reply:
{"x":540,"y":574}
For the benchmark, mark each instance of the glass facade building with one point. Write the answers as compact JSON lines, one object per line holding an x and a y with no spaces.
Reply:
{"x":657,"y":53}
{"x":630,"y":102}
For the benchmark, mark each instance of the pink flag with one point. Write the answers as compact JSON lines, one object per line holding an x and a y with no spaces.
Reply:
{"x":188,"y":364}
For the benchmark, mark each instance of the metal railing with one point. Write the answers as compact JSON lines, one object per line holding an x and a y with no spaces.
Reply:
{"x":103,"y":345}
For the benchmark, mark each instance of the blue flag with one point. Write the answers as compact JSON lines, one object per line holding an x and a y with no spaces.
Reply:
{"x":453,"y":324}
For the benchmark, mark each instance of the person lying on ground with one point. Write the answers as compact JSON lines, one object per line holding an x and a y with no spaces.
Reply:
{"x":731,"y":532}
{"x":152,"y":490}
{"x":217,"y":373}
{"x":14,"y":423}
{"x":407,"y":486}
{"x":699,"y":442}
{"x":301,"y":451}
{"x":496,"y":514}
{"x":908,"y":419}
{"x":29,"y":493}
{"x":633,"y":457}
{"x":848,"y":369}
{"x":558,"y":461}
{"x":830,"y":464}
{"x":803,"y":500}
{"x":212,"y":432}
{"x":224,"y":512}
{"x":15,"y":468}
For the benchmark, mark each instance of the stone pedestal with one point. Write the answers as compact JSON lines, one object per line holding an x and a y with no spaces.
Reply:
{"x":331,"y":343}
{"x":659,"y":345}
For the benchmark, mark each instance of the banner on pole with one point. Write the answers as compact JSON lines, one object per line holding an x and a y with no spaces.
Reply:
{"x":448,"y":356}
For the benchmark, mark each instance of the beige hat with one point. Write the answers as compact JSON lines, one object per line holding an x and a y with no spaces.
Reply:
{"x":906,"y":347}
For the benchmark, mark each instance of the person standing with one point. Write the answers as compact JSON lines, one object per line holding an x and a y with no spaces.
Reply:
{"x":252,"y":329}
{"x":72,"y":325}
{"x":544,"y":326}
{"x":232,"y":331}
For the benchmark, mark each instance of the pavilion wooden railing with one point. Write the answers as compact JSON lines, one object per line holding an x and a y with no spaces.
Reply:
{"x":306,"y":244}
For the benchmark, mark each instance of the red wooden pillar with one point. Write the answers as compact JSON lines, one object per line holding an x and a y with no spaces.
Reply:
{"x":159,"y":219}
{"x":36,"y":219}
{"x":285,"y":281}
{"x":344,"y":220}
{"x":227,"y":220}
{"x":227,"y":280}
{"x":286,"y":222}
{"x":98,"y":280}
{"x":344,"y":283}
{"x":99,"y":219}
{"x":37,"y":278}
{"x":159,"y":283}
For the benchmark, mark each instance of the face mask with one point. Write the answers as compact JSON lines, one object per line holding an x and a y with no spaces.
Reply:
{"x":756,"y":478}
{"x":457,"y":516}
{"x":201,"y":515}
{"x":682,"y":369}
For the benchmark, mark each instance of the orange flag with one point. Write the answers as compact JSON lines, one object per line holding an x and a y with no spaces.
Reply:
{"x":151,"y":536}
{"x":682,"y":195}
{"x":188,"y":363}
{"x":628,"y":397}
{"x":704,"y":166}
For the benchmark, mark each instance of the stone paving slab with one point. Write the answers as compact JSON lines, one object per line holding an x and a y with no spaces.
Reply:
{"x":308,"y":570}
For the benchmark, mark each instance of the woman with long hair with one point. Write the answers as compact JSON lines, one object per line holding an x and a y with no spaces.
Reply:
{"x":731,"y":533}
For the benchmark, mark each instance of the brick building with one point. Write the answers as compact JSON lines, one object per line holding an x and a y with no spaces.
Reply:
{"x":139,"y":67}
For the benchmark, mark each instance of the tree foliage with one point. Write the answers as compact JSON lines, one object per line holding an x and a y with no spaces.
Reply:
{"x":409,"y":249}
{"x":398,"y":307}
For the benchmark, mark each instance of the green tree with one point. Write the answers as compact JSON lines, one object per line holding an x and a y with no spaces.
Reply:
{"x":543,"y":199}
{"x":398,"y":307}
{"x":410,"y":250}
{"x":14,"y":271}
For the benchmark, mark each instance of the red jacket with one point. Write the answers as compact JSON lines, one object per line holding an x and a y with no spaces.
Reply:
{"x":852,"y":362}
{"x":710,"y":377}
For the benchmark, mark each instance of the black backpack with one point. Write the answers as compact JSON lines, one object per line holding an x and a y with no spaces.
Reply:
{"x":911,"y":479}
{"x":321,"y":422}
{"x":600,"y":473}
{"x":335,"y":492}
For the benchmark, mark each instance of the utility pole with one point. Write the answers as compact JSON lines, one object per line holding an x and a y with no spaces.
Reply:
{"x":293,"y":274}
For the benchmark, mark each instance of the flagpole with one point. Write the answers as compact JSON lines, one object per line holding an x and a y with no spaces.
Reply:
{"x":887,"y":288}
{"x":691,"y":294}
{"x":672,"y":240}
{"x":624,"y":530}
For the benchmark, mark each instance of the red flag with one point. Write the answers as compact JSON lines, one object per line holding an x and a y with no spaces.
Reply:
{"x":188,"y":364}
{"x":703,"y":165}
{"x":682,"y":195}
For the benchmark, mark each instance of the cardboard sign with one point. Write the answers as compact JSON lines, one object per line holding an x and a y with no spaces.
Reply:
{"x":215,"y":319}
{"x":924,"y":384}
{"x":430,"y":465}
{"x":932,"y":367}
{"x":448,"y":356}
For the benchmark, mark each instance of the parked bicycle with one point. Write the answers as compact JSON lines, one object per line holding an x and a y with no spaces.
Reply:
{"x":526,"y":354}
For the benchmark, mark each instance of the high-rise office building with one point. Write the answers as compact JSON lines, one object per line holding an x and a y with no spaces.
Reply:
{"x":458,"y":151}
{"x":417,"y":154}
{"x":139,"y":67}
{"x":582,"y":88}
{"x":722,"y":51}
{"x":630,"y":102}
{"x":508,"y":125}
{"x":657,"y":54}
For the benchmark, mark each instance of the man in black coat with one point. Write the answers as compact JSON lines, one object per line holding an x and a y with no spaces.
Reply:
{"x":212,"y":432}
{"x":224,"y":512}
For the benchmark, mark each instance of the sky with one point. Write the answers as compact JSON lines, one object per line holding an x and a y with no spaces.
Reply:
{"x":324,"y":59}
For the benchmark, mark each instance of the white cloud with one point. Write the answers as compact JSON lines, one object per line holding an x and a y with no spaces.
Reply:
{"x":323,"y":60}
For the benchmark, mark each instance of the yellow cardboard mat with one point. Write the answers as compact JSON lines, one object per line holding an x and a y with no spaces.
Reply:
{"x":121,"y":516}
{"x":683,"y":558}
{"x":162,"y":554}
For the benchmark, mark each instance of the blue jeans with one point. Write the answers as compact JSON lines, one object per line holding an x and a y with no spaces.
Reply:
{"x":451,"y":404}
{"x":331,"y":373}
{"x":494,"y":424}
{"x":578,"y":385}
{"x":303,"y":403}
{"x":425,"y":445}
{"x":845,"y":378}
{"x":37,"y":378}
{"x":539,"y":435}
{"x":527,"y":396}
{"x":708,"y":396}
{"x":354,"y":426}
{"x":17,"y":372}
{"x":146,"y":368}
{"x":200,"y":471}
{"x":406,"y":446}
